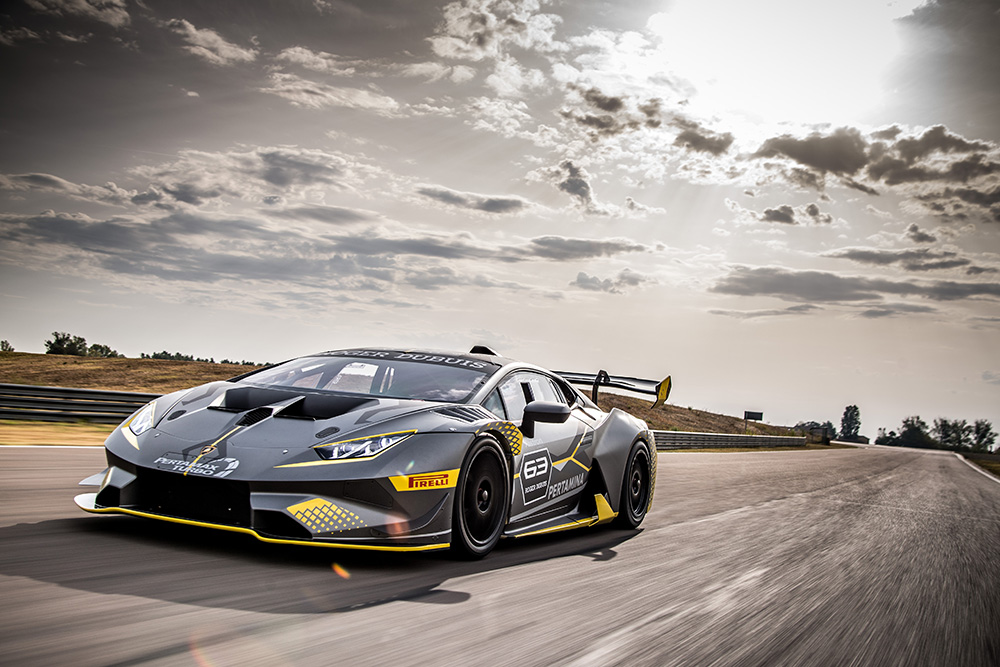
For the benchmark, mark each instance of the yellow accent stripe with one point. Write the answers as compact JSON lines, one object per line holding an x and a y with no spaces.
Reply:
{"x":571,"y":456}
{"x":271,"y":540}
{"x":212,"y":448}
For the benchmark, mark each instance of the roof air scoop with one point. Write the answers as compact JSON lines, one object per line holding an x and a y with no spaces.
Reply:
{"x":482,"y":349}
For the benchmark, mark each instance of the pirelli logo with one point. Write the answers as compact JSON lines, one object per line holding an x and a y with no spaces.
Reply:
{"x":444,"y":479}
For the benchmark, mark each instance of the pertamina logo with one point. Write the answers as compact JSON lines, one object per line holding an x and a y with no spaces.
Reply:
{"x":444,"y":479}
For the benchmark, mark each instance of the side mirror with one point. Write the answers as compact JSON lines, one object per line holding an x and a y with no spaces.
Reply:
{"x":548,"y":412}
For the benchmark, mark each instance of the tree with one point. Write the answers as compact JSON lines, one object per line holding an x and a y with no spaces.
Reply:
{"x":850,"y":423}
{"x":5,"y":346}
{"x":64,"y":343}
{"x":983,"y":436}
{"x":913,"y":433}
{"x":890,"y":438}
{"x":955,"y":434}
{"x":98,"y":350}
{"x":830,"y":429}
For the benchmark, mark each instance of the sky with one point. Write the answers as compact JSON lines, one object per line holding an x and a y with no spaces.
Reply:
{"x":787,"y":206}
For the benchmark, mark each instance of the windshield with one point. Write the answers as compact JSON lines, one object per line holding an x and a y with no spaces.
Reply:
{"x":430,"y":378}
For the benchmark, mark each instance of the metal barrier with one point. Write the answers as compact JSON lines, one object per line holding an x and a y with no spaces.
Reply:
{"x":667,"y":440}
{"x":63,"y":404}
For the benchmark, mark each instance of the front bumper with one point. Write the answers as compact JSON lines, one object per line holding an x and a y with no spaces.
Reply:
{"x":351,"y":514}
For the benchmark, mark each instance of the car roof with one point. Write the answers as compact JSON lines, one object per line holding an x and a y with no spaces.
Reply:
{"x":492,"y":359}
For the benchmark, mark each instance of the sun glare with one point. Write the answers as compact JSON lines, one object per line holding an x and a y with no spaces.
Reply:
{"x":782,"y":60}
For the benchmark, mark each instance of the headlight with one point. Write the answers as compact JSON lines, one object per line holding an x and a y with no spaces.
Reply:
{"x":143,"y":420}
{"x":361,"y":447}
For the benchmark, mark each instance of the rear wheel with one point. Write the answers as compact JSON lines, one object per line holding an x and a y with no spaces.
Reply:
{"x":482,"y":500}
{"x":635,"y":487}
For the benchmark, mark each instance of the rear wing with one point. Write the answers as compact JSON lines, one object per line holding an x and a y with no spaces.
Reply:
{"x":659,"y":389}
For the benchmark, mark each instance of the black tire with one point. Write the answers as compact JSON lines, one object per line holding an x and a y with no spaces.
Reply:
{"x":636,"y":486}
{"x":482,"y":500}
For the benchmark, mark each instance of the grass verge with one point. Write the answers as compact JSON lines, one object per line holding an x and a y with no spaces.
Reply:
{"x":44,"y":433}
{"x":986,"y":464}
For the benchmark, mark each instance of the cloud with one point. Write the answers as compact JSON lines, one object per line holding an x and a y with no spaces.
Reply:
{"x":625,"y":279}
{"x":784,"y":214}
{"x":843,"y":152}
{"x":894,"y":309}
{"x":314,"y":95}
{"x":12,"y":36}
{"x":917,"y":235}
{"x":823,"y":287}
{"x":319,"y":61}
{"x":329,"y":214}
{"x":801,"y":309}
{"x":105,"y":194}
{"x":112,"y":12}
{"x":477,"y":30}
{"x":472,"y":201}
{"x":575,"y":181}
{"x":210,"y":45}
{"x":463,"y":246}
{"x":991,"y":377}
{"x":921,"y":259}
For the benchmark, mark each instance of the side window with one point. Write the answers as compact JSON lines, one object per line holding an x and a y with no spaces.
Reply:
{"x":494,"y":404}
{"x":513,"y":397}
{"x":543,"y":389}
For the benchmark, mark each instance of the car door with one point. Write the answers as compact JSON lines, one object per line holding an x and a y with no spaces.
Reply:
{"x":555,"y":461}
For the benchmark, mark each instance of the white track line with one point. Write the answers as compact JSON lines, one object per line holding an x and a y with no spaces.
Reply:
{"x":976,"y":468}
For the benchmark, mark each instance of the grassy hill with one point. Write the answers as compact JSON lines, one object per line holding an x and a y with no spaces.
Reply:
{"x":161,"y":376}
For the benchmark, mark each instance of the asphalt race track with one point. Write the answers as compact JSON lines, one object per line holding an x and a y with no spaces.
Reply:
{"x":843,"y":557}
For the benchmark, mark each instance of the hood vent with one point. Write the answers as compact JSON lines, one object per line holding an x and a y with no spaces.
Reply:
{"x":318,"y":407}
{"x":466,"y":414}
{"x":254,"y":416}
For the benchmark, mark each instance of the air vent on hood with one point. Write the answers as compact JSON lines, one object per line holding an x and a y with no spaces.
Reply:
{"x":467,"y":414}
{"x":254,"y":416}
{"x":318,"y":406}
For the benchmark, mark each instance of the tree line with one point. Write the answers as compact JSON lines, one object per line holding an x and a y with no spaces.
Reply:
{"x":953,"y":434}
{"x":65,"y":343}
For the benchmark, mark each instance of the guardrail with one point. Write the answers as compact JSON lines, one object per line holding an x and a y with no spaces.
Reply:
{"x":63,"y":404}
{"x":667,"y":440}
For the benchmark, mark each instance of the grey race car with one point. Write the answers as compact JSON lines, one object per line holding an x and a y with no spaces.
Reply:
{"x":384,"y":449}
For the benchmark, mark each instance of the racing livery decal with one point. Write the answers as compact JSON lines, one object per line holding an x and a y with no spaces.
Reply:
{"x":322,"y":516}
{"x":510,"y":432}
{"x":445,"y":479}
{"x":536,"y":470}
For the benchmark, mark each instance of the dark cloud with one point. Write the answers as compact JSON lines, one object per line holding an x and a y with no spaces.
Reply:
{"x":922,"y":259}
{"x":823,"y":287}
{"x":957,"y":202}
{"x":112,"y":12}
{"x":784,"y":214}
{"x":575,"y":181}
{"x":106,"y":194}
{"x":936,"y":139}
{"x":917,"y":235}
{"x":283,"y":167}
{"x":604,"y":102}
{"x":704,"y":141}
{"x":843,"y":152}
{"x":472,"y":201}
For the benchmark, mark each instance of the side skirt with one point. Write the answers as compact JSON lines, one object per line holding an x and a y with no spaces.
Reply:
{"x":570,"y":521}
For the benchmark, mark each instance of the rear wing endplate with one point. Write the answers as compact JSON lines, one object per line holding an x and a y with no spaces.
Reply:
{"x":659,"y":389}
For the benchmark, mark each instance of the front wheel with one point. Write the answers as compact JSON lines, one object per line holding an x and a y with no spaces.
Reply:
{"x":482,"y":499}
{"x":636,"y":487}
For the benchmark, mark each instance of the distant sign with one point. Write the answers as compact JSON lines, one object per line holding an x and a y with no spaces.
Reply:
{"x":757,"y":416}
